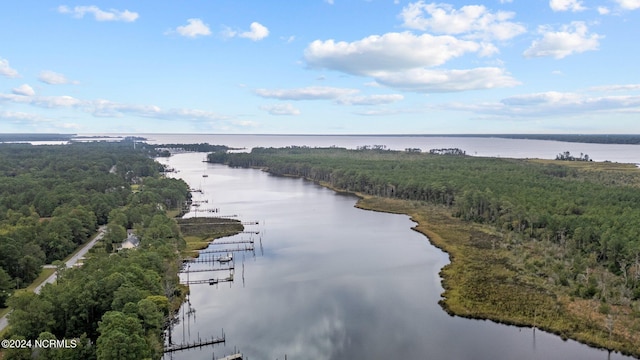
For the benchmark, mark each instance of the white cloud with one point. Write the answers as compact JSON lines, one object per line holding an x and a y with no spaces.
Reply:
{"x":24,"y":90}
{"x":194,"y":28}
{"x":473,"y":21}
{"x":6,"y":70}
{"x":99,"y":15}
{"x":22,"y":118}
{"x":257,"y":32}
{"x":629,"y":4}
{"x":571,"y":39}
{"x":608,"y":88}
{"x":280,"y":109}
{"x":106,"y":108}
{"x":370,"y":99}
{"x":389,"y":52}
{"x":505,"y":1}
{"x":438,"y":81}
{"x":330,"y":2}
{"x":54,"y":78}
{"x":306,"y":93}
{"x":603,"y":10}
{"x":551,"y":103}
{"x":566,"y":5}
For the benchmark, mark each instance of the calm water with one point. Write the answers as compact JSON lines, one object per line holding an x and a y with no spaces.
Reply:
{"x":334,"y":282}
{"x":512,"y":148}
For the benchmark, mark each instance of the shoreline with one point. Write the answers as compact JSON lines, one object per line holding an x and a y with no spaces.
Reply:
{"x":532,"y":305}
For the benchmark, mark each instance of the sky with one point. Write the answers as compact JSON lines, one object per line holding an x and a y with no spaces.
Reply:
{"x":320,"y":66}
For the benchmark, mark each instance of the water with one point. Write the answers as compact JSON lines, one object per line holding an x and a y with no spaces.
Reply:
{"x":495,"y":147}
{"x":334,"y":282}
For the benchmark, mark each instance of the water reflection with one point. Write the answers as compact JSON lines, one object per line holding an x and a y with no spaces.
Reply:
{"x":336,"y":282}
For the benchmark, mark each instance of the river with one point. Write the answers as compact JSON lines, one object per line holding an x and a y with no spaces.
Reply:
{"x":331,"y":281}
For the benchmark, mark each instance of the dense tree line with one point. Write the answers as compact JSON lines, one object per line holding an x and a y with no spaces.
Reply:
{"x":117,"y":303}
{"x":164,"y":150}
{"x":52,"y":198}
{"x":591,"y":215}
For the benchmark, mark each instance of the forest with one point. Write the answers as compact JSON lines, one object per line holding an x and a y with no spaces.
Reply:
{"x":569,"y":229}
{"x":53,"y":199}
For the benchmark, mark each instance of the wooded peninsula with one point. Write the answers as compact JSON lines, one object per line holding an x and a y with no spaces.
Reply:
{"x":545,"y":243}
{"x":117,"y":304}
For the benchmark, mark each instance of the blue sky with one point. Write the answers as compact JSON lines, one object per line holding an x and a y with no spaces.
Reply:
{"x":320,"y":66}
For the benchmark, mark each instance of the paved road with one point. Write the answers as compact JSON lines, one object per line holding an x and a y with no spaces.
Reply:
{"x":72,"y":261}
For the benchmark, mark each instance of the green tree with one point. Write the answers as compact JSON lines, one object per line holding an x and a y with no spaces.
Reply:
{"x":6,"y":284}
{"x":121,"y":338}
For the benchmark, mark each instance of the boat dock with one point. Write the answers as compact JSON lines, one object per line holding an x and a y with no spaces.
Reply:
{"x":194,"y":344}
{"x":238,"y":249}
{"x":230,"y":268}
{"x":229,"y":242}
{"x":212,"y":281}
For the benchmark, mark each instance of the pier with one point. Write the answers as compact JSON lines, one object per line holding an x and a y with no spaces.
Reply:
{"x":230,"y":242}
{"x":230,"y":268}
{"x":238,"y":249}
{"x":224,"y":223}
{"x":194,"y":344}
{"x":212,"y":281}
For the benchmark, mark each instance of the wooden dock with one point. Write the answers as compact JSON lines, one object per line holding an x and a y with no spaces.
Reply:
{"x":194,"y":344}
{"x":230,"y":268}
{"x":229,"y":242}
{"x":212,"y":281}
{"x":238,"y":249}
{"x":224,"y":223}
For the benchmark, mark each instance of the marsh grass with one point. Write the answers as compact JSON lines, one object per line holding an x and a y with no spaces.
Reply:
{"x":484,"y":281}
{"x":198,"y":233}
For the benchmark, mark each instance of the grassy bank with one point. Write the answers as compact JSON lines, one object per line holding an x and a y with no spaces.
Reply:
{"x":200,"y":232}
{"x":484,"y":281}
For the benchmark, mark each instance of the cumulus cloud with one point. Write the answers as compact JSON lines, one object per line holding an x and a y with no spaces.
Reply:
{"x":438,"y":81}
{"x":472,"y":21}
{"x":566,"y":5}
{"x":391,"y":51}
{"x":54,"y":78}
{"x":401,"y":60}
{"x":257,"y":32}
{"x":306,"y":93}
{"x":280,"y":109}
{"x":602,"y":10}
{"x":370,"y":99}
{"x":629,"y":4}
{"x":98,"y":14}
{"x":193,"y":29}
{"x":6,"y":70}
{"x":24,"y":90}
{"x":571,"y":39}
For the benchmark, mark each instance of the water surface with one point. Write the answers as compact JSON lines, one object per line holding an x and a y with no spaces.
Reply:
{"x":334,"y":282}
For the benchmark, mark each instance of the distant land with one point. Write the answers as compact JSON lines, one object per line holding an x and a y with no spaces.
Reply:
{"x":628,"y":139}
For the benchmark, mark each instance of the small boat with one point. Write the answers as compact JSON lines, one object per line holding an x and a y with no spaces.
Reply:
{"x":205,"y":175}
{"x":226,"y":259}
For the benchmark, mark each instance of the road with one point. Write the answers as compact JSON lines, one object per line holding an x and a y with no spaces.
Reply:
{"x":69,"y":263}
